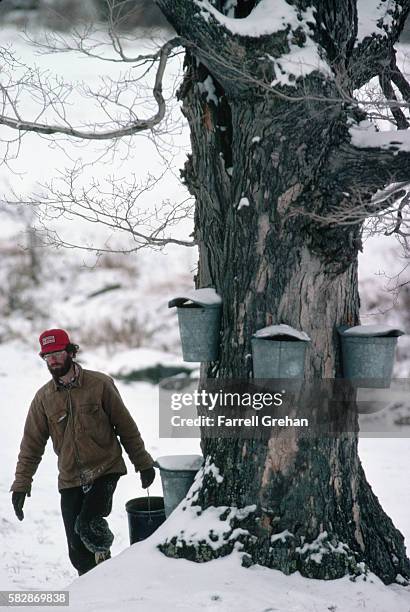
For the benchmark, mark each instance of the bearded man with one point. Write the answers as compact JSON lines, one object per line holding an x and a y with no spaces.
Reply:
{"x":83,"y":413}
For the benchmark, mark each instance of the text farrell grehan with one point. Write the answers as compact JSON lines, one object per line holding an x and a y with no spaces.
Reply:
{"x":223,"y":421}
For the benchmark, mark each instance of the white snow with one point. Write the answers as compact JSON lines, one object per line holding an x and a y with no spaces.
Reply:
{"x":374,"y":17}
{"x":133,"y":359}
{"x":319,"y":547}
{"x":180,"y":462}
{"x":281,"y":536}
{"x":198,"y":526}
{"x":243,"y":202}
{"x":392,"y":189}
{"x":365,"y":135}
{"x":267,"y":18}
{"x":222,"y":585}
{"x":208,"y":87}
{"x":281,"y":330}
{"x":203,"y":297}
{"x":373,"y":330}
{"x":210,"y":468}
{"x":140,"y":578}
{"x":299,"y":62}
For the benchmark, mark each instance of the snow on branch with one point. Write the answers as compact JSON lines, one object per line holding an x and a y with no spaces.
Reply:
{"x":378,"y":17}
{"x":365,"y":135}
{"x":380,"y":24}
{"x":372,"y":160}
{"x":302,"y":56}
{"x":273,"y":46}
{"x":266,"y":18}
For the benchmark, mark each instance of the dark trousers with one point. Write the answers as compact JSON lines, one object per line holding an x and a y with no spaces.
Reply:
{"x":84,"y":509}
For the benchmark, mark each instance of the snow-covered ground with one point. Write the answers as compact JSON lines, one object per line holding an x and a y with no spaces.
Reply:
{"x":33,"y":554}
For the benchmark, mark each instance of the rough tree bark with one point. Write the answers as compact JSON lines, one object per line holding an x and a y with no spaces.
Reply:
{"x":259,"y":152}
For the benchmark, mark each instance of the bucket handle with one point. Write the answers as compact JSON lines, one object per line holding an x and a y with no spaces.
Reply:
{"x":149,"y":507}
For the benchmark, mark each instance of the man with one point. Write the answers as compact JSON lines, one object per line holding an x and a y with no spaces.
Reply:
{"x":83,"y":413}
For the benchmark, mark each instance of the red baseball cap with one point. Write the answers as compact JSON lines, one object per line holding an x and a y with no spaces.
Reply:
{"x":53,"y":340}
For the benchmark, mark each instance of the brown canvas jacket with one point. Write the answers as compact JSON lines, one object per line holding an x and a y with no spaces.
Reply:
{"x":84,"y":424}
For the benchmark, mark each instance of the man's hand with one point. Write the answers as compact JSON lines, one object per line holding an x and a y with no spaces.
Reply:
{"x":147,"y":477}
{"x":17,"y":499}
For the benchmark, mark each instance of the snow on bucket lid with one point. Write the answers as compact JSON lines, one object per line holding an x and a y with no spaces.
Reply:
{"x":273,"y":331}
{"x":179,"y":462}
{"x":206,"y":297}
{"x":373,"y":330}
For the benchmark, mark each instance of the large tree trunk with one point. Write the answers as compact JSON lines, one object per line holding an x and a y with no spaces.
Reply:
{"x":257,"y":162}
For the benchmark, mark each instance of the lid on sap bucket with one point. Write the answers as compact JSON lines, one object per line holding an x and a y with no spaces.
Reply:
{"x":205,"y":298}
{"x":284,"y":331}
{"x":177,"y":463}
{"x":372,"y":331}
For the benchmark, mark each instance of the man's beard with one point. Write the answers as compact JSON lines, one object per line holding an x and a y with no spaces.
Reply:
{"x":61,"y":370}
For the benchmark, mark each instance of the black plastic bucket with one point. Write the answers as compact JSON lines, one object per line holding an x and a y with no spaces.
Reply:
{"x":145,"y":515}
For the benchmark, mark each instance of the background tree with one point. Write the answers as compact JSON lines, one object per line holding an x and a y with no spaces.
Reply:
{"x":283,"y":158}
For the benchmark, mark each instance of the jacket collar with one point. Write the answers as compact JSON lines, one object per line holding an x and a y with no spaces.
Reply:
{"x":77,"y":382}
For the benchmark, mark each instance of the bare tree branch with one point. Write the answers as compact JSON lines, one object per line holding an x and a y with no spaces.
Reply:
{"x":112,"y":203}
{"x":88,"y":41}
{"x":373,"y":54}
{"x":133,"y":128}
{"x":231,"y":56}
{"x":400,"y":80}
{"x":387,"y":88}
{"x":372,"y":167}
{"x":400,"y":219}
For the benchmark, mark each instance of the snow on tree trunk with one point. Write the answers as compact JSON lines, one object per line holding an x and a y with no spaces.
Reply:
{"x":264,"y":171}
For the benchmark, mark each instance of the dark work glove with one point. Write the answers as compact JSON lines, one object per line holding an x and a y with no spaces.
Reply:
{"x":147,"y":477}
{"x":17,"y":499}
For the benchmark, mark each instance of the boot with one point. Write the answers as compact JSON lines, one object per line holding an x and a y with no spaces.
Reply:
{"x":102,"y":556}
{"x":95,"y":534}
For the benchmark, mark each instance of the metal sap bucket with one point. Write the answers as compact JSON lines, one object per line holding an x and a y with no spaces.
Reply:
{"x":368,"y":354}
{"x":199,"y":319}
{"x":279,"y":352}
{"x":177,"y":475}
{"x":145,"y":515}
